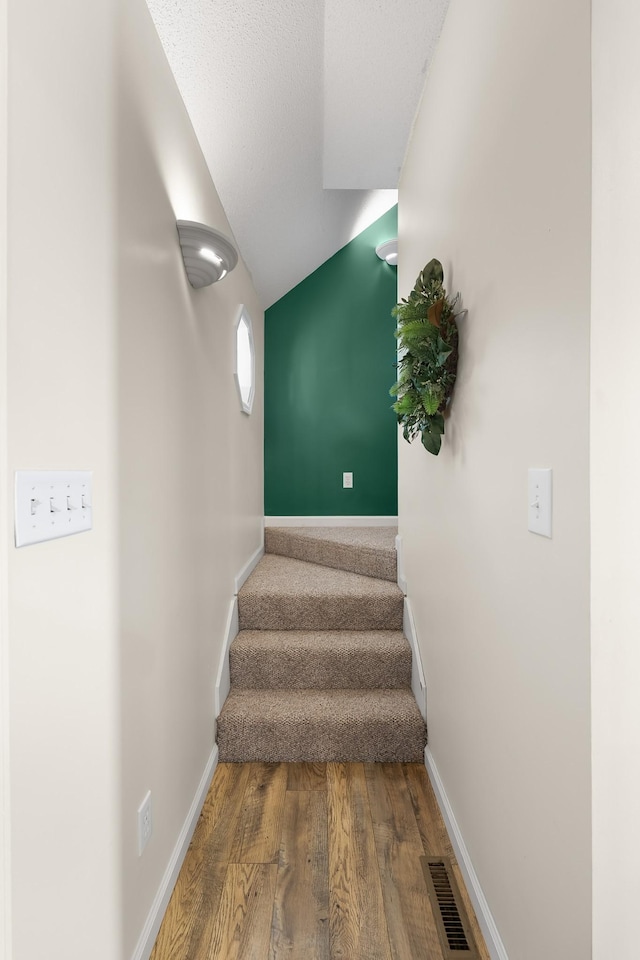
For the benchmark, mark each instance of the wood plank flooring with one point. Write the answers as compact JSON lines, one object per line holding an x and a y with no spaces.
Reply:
{"x":296,"y":861}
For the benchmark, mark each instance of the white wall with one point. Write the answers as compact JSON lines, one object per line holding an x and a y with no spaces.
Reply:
{"x":5,"y":832}
{"x":61,"y":402}
{"x":61,"y":413}
{"x":115,"y":364}
{"x":496,"y":184}
{"x":615,"y":466}
{"x":190,"y":462}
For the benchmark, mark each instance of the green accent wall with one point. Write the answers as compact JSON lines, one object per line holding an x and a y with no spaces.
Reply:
{"x":329,"y":364}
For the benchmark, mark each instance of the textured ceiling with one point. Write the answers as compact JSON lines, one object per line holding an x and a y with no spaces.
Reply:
{"x":376,"y":55}
{"x":279,"y":112}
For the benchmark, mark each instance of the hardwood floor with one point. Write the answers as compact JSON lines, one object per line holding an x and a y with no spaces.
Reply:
{"x":296,"y":861}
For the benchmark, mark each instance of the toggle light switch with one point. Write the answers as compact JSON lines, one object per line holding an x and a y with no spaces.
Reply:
{"x":47,"y":504}
{"x":539,"y":493}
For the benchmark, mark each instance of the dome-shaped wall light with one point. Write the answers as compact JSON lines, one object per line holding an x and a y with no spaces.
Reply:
{"x":208,"y":255}
{"x":388,"y":251}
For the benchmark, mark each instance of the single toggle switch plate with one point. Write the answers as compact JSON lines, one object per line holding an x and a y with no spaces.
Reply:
{"x":539,"y":492}
{"x":52,"y":504}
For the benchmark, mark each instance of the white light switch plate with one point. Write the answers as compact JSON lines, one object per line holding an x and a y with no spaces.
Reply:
{"x":145,"y":823}
{"x":347,"y":481}
{"x":51,"y":504}
{"x":539,"y":492}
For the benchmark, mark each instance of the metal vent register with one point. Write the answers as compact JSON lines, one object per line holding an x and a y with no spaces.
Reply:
{"x":450,"y":916}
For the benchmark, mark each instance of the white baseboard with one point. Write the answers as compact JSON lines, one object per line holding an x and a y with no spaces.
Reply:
{"x":161,"y":901}
{"x":331,"y":521}
{"x":249,"y":567}
{"x":402,"y":580}
{"x":223,"y":679}
{"x":487,"y":924}
{"x":418,"y":683}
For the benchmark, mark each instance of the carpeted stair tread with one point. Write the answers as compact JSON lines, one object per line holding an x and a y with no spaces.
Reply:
{"x":287,"y":594}
{"x":297,"y":659}
{"x":321,"y":726}
{"x":370,"y":551}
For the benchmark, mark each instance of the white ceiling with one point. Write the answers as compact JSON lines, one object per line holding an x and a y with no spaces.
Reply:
{"x":301,"y":107}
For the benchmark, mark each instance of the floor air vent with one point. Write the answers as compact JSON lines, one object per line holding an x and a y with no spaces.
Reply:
{"x":450,"y":916}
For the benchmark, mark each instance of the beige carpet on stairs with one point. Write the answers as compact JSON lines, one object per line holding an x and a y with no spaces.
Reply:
{"x":367,"y":550}
{"x":319,"y":659}
{"x":286,"y":594}
{"x":320,"y":670}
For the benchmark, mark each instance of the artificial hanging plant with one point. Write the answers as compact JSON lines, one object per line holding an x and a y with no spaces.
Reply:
{"x":428,"y":358}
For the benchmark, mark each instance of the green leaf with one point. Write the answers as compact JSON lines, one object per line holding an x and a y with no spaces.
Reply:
{"x":433,"y":272}
{"x":416,"y":332}
{"x":432,"y":397}
{"x":411,"y":309}
{"x":405,"y":405}
{"x":432,"y":430}
{"x":431,"y":442}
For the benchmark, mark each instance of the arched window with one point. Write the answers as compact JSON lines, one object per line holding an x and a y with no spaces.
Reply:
{"x":245,"y":374}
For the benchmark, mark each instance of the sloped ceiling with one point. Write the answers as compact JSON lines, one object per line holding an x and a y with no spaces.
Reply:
{"x":303,"y":109}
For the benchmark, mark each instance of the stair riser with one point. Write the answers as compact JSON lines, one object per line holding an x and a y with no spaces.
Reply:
{"x":320,"y":613}
{"x":320,"y":671}
{"x":270,"y":741}
{"x":369,"y":563}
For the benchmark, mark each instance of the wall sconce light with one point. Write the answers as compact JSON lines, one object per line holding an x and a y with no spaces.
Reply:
{"x":388,"y":251}
{"x":208,"y":255}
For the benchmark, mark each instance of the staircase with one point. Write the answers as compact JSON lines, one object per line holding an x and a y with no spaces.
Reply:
{"x":321,"y":670}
